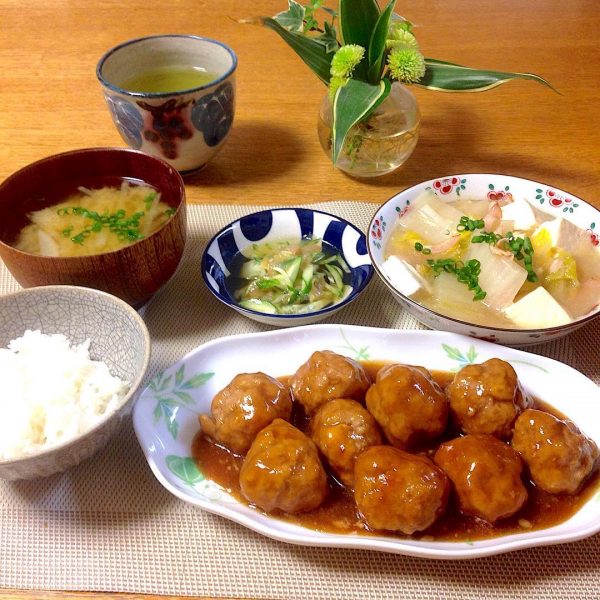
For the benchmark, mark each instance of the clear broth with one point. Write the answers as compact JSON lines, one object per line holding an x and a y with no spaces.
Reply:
{"x":454,"y":300}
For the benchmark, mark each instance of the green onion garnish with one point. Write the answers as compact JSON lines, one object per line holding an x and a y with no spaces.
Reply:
{"x":465,"y":273}
{"x":467,"y":224}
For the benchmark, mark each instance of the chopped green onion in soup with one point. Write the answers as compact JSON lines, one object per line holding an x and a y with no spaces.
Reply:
{"x":290,"y":277}
{"x":494,"y":262}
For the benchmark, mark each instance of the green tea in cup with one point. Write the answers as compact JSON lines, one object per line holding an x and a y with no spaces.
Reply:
{"x":172,"y":96}
{"x":167,"y":78}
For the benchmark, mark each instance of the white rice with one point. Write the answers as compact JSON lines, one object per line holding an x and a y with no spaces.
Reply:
{"x":51,"y":392}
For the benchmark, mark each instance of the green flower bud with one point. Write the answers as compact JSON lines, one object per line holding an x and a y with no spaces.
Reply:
{"x":345,"y":60}
{"x":398,"y":28}
{"x":335,"y":83}
{"x":406,"y":64}
{"x":402,"y":39}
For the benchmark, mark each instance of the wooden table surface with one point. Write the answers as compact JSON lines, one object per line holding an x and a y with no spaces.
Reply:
{"x":51,"y":102}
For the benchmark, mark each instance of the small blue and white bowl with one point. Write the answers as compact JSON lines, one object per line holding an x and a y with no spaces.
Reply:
{"x":286,"y":223}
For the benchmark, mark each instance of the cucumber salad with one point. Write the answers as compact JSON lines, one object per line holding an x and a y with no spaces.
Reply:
{"x":290,"y":277}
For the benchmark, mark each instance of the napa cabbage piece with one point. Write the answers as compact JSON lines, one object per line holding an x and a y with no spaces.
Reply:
{"x":431,"y":218}
{"x":291,"y":277}
{"x":515,"y":257}
{"x":501,"y":277}
{"x":451,"y":297}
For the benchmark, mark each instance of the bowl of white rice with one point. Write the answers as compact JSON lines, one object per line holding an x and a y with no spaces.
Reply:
{"x":71,"y":362}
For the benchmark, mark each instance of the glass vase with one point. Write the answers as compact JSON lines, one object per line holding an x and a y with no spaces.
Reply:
{"x":381,"y":143}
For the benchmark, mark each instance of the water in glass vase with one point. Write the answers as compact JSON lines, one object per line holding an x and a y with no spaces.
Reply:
{"x":167,"y":78}
{"x":380,"y":144}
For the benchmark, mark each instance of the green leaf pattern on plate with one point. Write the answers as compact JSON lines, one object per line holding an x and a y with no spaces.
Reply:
{"x":463,"y":359}
{"x":171,"y":394}
{"x":359,"y":353}
{"x":185,"y":468}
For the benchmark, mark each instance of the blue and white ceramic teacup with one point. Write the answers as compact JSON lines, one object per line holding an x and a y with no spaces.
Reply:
{"x":188,"y":127}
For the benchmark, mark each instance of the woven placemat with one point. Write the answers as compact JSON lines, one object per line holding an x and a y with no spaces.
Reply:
{"x":108,"y":525}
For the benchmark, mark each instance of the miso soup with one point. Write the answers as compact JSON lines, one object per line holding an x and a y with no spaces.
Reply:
{"x":95,"y":221}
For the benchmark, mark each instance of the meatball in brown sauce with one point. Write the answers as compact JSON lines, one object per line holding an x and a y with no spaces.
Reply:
{"x":560,"y":458}
{"x":342,"y":429}
{"x":408,"y":404}
{"x":241,"y":409}
{"x":328,"y":376}
{"x":282,"y":471}
{"x":486,"y":474}
{"x":486,"y":398}
{"x":398,"y":491}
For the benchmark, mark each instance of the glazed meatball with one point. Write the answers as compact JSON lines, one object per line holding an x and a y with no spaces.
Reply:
{"x":328,"y":376}
{"x":559,"y":456}
{"x":282,"y":471}
{"x":486,"y":474}
{"x":408,"y":404}
{"x":241,"y":409}
{"x":342,"y":429}
{"x":486,"y":398}
{"x":398,"y":491}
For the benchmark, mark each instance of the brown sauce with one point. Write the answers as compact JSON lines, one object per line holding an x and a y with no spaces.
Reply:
{"x":338,"y":514}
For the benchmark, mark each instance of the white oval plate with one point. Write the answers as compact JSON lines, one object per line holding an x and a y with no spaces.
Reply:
{"x":165,"y":420}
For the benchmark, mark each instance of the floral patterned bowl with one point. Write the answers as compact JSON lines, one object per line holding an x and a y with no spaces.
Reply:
{"x":545,"y":198}
{"x":165,"y":419}
{"x":277,"y":224}
{"x":186,"y":128}
{"x":118,"y":337}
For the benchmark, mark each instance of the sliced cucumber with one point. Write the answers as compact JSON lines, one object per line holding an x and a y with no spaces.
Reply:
{"x":292,"y":268}
{"x":265,"y":284}
{"x":261,"y":306}
{"x":343,"y":263}
{"x":252,"y":269}
{"x":293,"y":278}
{"x":307,"y":278}
{"x":337,"y":275}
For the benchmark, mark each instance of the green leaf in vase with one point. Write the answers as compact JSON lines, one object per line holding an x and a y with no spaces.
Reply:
{"x":377,"y":43}
{"x":196,"y":381}
{"x":328,"y":38}
{"x":357,"y":19}
{"x":293,"y":18}
{"x":185,"y":468}
{"x":313,"y":53}
{"x":352,"y":103}
{"x":449,"y":77}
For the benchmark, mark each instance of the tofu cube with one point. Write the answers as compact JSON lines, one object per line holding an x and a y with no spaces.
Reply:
{"x":563,"y":234}
{"x":537,"y":309}
{"x":404,"y":277}
{"x":520,"y":213}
